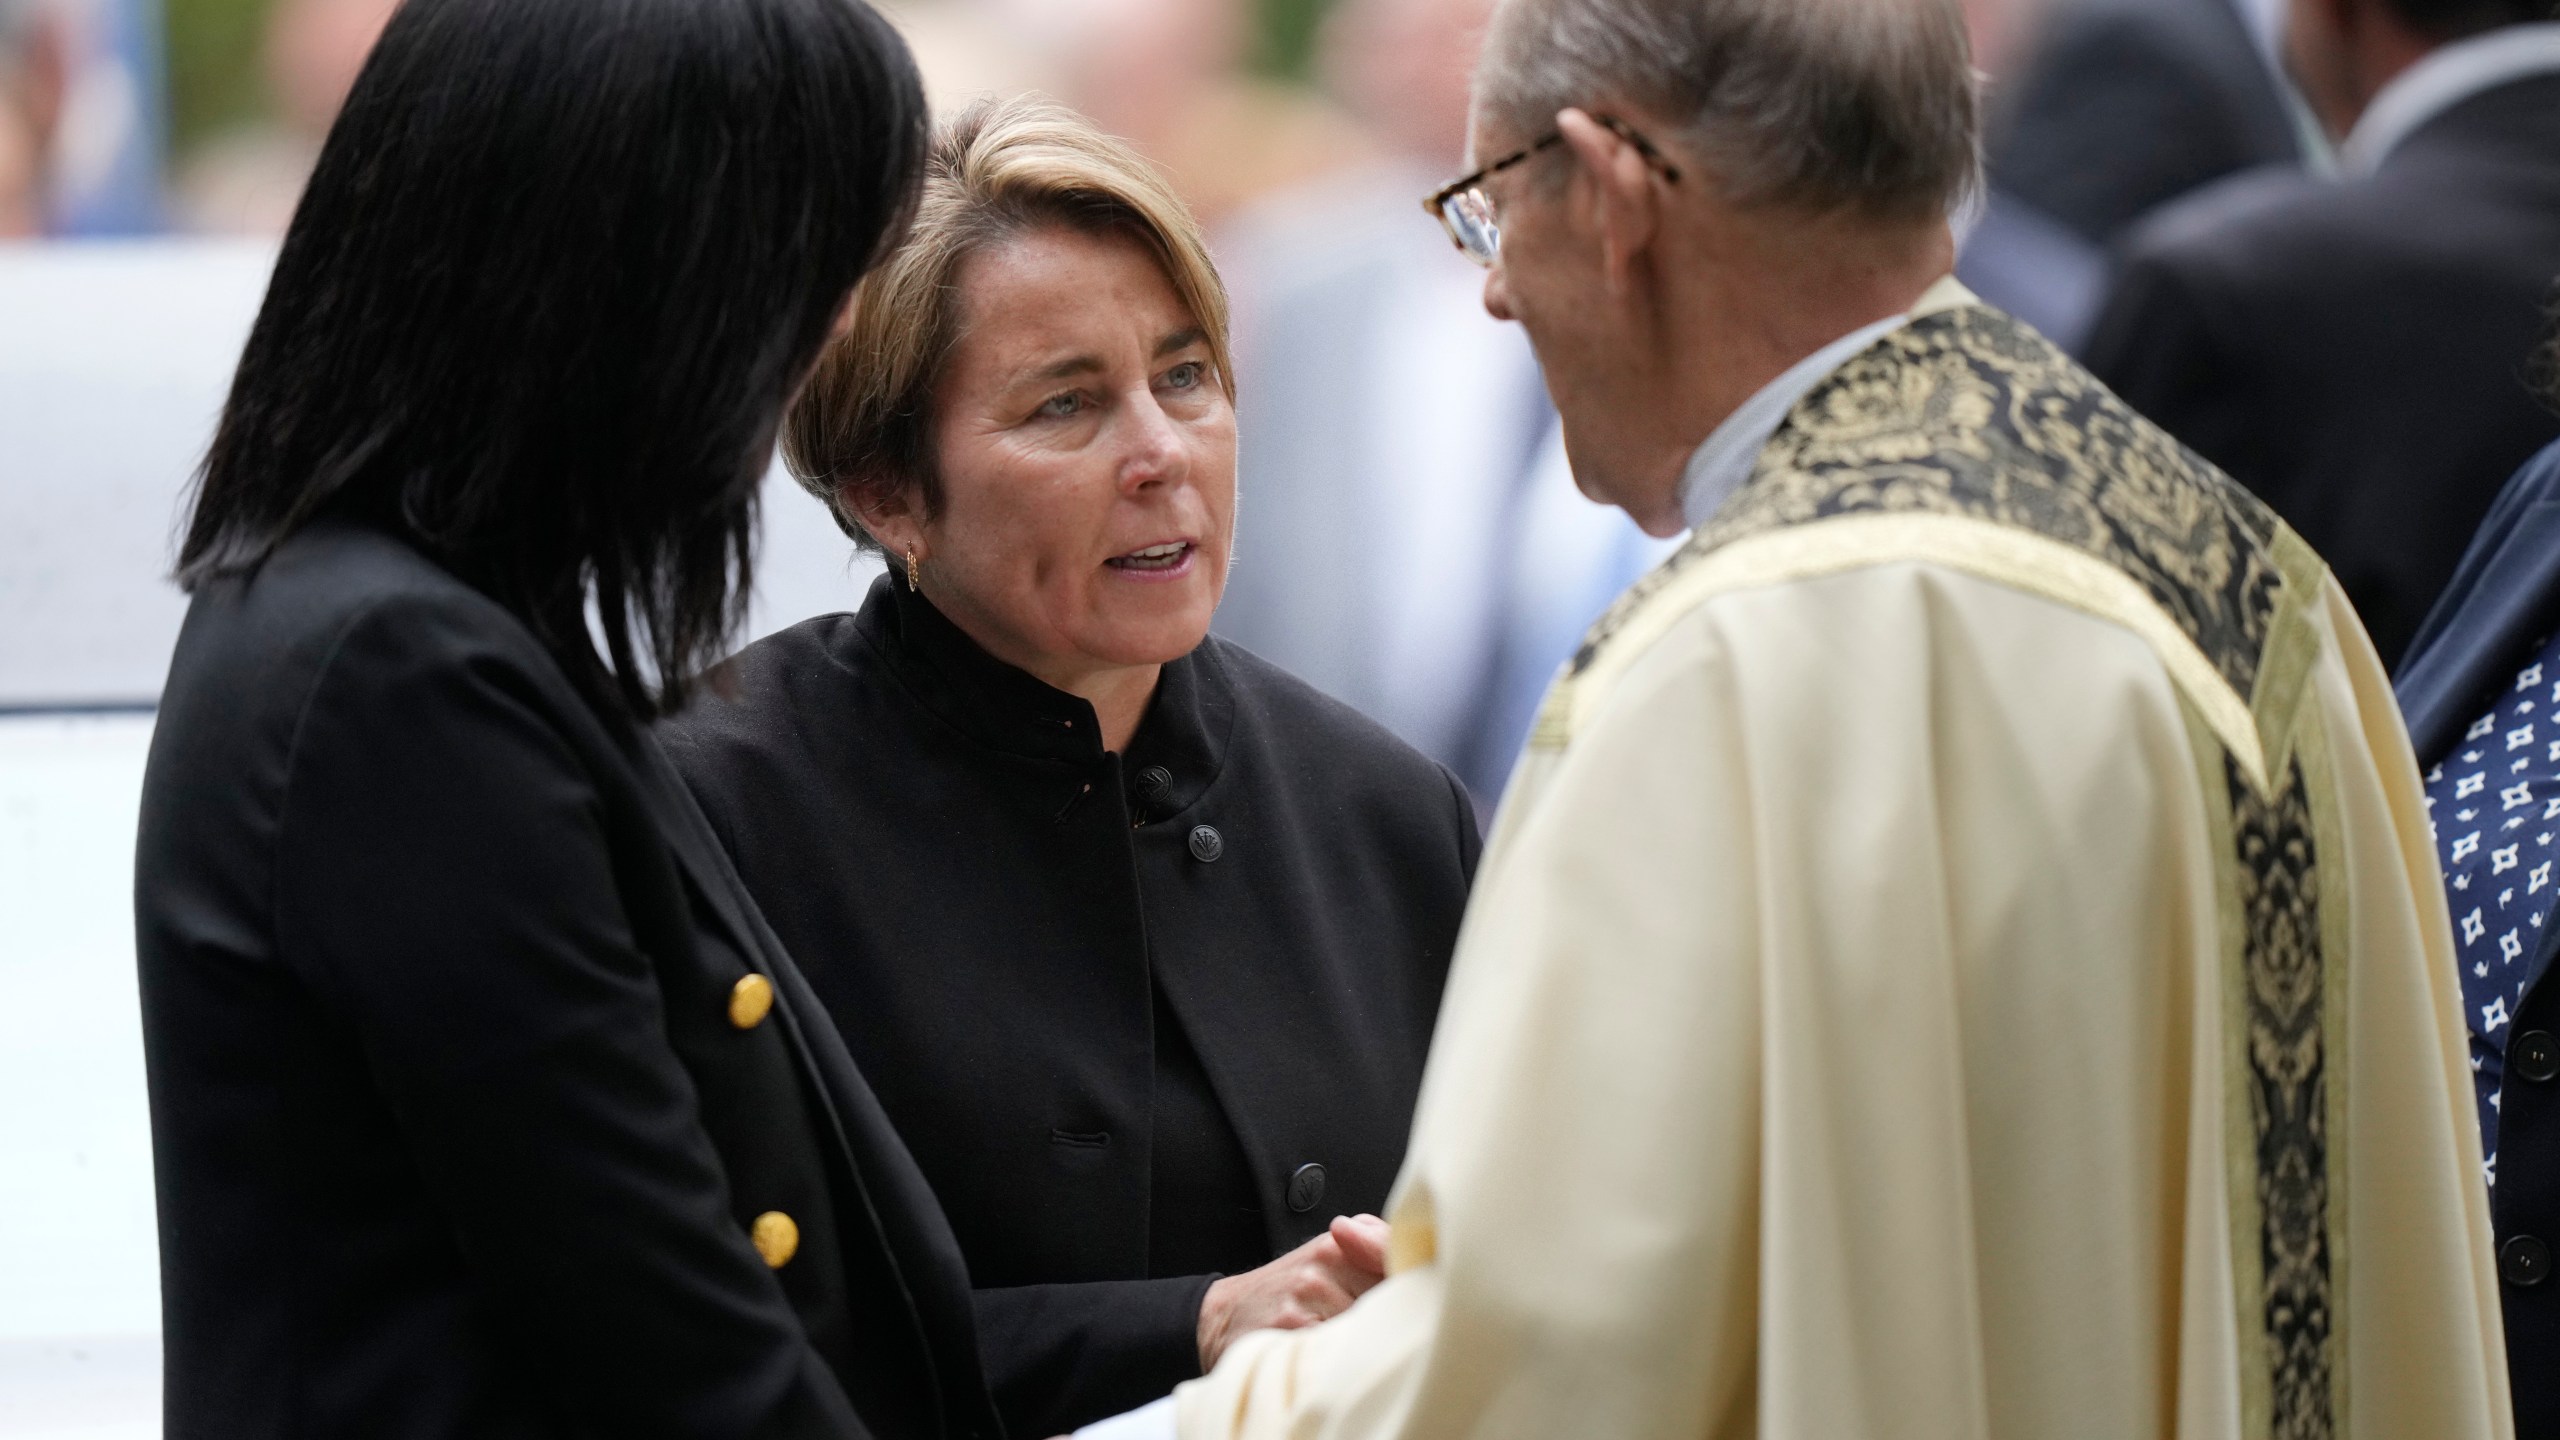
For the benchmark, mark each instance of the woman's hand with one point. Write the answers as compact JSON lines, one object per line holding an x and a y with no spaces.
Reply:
{"x":1314,"y":1282}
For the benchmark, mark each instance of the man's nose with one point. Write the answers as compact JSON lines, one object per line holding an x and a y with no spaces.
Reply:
{"x":1497,"y":293}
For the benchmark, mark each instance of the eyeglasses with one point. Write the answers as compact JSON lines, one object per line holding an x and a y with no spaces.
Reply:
{"x":1465,"y":209}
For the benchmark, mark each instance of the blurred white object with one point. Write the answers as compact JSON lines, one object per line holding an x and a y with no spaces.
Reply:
{"x":804,"y":565}
{"x":79,"y":1258}
{"x":114,"y":360}
{"x":80,"y":1389}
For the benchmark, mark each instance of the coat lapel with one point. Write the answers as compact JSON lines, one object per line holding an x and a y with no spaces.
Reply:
{"x":2506,"y":606}
{"x":2502,"y":600}
{"x":844,"y":1099}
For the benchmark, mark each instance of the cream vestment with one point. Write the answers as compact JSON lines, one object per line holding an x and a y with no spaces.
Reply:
{"x":1963,"y":957}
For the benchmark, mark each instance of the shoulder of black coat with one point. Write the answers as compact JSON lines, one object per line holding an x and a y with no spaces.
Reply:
{"x":752,"y":691}
{"x":338,"y":594}
{"x":1305,"y":724}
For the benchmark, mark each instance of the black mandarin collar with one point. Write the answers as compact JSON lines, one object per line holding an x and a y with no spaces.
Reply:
{"x":1008,"y":710}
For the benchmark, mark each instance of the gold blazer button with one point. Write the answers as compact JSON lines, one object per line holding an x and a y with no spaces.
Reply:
{"x":750,"y":1000}
{"x":777,"y":1238}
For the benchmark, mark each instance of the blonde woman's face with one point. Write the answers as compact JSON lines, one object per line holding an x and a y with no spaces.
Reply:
{"x":1087,"y":454}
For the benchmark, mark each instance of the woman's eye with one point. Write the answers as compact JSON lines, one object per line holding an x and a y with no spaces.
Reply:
{"x":1059,"y":407}
{"x":1186,"y":375}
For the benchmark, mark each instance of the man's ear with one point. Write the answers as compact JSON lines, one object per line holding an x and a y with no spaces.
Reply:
{"x":1618,"y":188}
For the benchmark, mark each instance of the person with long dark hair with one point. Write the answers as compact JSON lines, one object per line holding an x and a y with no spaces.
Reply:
{"x":484,"y":1103}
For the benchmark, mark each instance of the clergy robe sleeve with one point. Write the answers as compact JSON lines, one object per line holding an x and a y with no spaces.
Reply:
{"x":1833,"y":1049}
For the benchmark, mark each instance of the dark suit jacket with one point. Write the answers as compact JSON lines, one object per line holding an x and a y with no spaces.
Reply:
{"x":2358,"y":353}
{"x":991,"y":905}
{"x":2121,"y":106}
{"x":456,"y":1134}
{"x":2504,"y":599}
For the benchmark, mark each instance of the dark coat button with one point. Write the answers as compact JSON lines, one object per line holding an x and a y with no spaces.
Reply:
{"x":2524,"y":1260}
{"x":1306,"y":1188}
{"x":1150,"y":794}
{"x":2536,"y":1055}
{"x":1207,"y":844}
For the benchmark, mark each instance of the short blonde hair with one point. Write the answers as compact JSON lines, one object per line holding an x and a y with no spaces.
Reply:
{"x":864,"y":426}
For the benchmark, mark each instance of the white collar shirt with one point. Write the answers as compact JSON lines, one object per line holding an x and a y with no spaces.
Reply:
{"x":1719,"y":467}
{"x":2449,"y":75}
{"x":2265,"y":22}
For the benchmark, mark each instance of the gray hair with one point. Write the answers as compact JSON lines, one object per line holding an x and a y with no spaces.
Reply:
{"x":1866,"y":106}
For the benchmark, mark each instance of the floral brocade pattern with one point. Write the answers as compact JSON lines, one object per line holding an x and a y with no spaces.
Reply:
{"x":1969,"y":413}
{"x":2284,"y":985}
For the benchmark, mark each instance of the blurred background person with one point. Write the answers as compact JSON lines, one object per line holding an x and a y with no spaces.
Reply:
{"x":2100,"y":112}
{"x":80,"y":118}
{"x":1173,"y":78}
{"x":245,"y":181}
{"x":1139,"y":938}
{"x":34,"y":59}
{"x":1411,"y":540}
{"x":2356,"y":351}
{"x":2480,"y":690}
{"x":2116,"y":107}
{"x":968,"y":50}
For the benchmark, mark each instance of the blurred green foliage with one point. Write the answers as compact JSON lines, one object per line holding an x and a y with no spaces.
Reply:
{"x":215,"y":79}
{"x":215,"y":75}
{"x":1289,"y":34}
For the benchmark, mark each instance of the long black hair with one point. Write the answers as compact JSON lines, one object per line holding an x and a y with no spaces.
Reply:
{"x":559,"y":271}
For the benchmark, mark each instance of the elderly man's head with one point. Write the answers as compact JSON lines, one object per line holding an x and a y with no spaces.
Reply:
{"x":1722,"y":187}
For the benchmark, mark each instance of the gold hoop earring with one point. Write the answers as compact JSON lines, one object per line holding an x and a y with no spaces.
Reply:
{"x":915,"y":576}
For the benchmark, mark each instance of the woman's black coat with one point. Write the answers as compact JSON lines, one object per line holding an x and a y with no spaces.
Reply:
{"x":991,"y":906}
{"x":457,"y":1131}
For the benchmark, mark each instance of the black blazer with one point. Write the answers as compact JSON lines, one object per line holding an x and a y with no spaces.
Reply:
{"x":992,"y":907}
{"x":2359,"y":353}
{"x":458,"y":1132}
{"x":2504,"y":599}
{"x":2121,"y":106}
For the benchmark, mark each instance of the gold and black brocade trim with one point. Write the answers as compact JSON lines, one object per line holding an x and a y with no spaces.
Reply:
{"x":2283,"y":1009}
{"x":1968,"y":413}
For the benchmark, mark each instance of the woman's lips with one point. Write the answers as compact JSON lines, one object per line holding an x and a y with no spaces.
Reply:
{"x":1156,"y":562}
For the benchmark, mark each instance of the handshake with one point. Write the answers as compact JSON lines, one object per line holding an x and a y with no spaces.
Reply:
{"x":1307,"y":1286}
